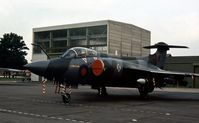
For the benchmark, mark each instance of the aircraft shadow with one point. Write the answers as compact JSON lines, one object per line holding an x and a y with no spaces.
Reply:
{"x":162,"y":97}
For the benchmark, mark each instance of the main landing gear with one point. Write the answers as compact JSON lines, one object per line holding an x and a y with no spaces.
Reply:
{"x":102,"y":91}
{"x":143,"y":91}
{"x":146,"y":87}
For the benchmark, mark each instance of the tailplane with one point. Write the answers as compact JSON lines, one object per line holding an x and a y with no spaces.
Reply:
{"x":158,"y":59}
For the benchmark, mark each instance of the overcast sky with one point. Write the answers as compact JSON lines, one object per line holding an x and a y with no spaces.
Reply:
{"x":171,"y":21}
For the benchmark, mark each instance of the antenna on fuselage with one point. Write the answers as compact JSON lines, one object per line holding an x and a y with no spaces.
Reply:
{"x":37,"y":45}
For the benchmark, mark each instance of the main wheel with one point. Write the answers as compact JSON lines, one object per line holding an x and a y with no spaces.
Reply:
{"x":143,"y":91}
{"x":66,"y":98}
{"x":102,"y":91}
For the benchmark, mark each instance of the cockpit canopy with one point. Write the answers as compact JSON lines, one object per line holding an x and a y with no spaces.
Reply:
{"x":79,"y":52}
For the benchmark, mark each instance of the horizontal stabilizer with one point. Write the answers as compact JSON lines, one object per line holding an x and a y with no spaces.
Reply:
{"x":163,"y":45}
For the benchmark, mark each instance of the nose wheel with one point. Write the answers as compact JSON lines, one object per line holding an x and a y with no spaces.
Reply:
{"x":65,"y":93}
{"x":66,"y":98}
{"x":64,"y":90}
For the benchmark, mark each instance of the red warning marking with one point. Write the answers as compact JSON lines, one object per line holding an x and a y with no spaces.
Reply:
{"x":98,"y":67}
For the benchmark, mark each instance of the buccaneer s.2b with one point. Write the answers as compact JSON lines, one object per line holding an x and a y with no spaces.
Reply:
{"x":85,"y":66}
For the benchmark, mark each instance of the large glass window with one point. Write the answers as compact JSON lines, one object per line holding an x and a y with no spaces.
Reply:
{"x":42,"y":35}
{"x":76,"y":43}
{"x":62,"y":43}
{"x":98,"y":30}
{"x":78,"y":32}
{"x":59,"y":33}
{"x":57,"y":41}
{"x":44,"y":45}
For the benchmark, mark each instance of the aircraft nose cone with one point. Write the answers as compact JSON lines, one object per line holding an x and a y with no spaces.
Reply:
{"x":38,"y":68}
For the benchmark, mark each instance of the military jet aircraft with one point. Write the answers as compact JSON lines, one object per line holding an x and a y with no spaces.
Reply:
{"x":85,"y":66}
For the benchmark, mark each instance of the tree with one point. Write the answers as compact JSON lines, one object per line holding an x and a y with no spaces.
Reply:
{"x":12,"y":51}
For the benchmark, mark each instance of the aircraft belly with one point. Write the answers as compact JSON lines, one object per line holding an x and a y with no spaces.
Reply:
{"x":114,"y":75}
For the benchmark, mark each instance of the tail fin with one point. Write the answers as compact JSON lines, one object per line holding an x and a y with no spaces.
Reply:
{"x":158,"y":59}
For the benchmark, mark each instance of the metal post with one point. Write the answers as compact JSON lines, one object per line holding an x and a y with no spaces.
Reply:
{"x":50,"y":42}
{"x":68,"y":38}
{"x":87,"y":37}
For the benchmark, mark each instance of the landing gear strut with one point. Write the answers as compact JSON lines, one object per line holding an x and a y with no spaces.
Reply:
{"x":146,"y":88}
{"x":65,"y":93}
{"x":102,"y":91}
{"x":143,"y":90}
{"x":64,"y":90}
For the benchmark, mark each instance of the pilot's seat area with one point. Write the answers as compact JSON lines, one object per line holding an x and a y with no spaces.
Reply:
{"x":79,"y":52}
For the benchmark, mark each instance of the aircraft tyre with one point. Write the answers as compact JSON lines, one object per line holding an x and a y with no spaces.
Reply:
{"x":144,"y":89}
{"x":102,"y":91}
{"x":66,"y":98}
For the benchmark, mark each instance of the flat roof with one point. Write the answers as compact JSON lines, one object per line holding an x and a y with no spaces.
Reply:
{"x":68,"y":26}
{"x":79,"y":25}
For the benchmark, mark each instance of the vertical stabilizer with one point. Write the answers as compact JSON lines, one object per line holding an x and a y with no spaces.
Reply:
{"x":158,"y":59}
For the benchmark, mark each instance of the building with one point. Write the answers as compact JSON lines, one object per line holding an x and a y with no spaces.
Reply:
{"x":104,"y":36}
{"x":107,"y":36}
{"x":185,"y":64}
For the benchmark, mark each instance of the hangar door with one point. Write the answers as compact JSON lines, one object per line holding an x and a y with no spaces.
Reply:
{"x":196,"y":80}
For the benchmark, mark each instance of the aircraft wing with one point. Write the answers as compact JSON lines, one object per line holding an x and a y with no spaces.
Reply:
{"x":175,"y":73}
{"x":156,"y":70}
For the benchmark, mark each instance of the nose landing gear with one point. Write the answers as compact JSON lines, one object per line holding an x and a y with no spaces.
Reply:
{"x":66,"y":98}
{"x":65,"y":91}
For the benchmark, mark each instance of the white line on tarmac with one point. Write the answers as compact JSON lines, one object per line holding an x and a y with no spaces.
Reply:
{"x":42,"y":116}
{"x":74,"y":120}
{"x":134,"y":120}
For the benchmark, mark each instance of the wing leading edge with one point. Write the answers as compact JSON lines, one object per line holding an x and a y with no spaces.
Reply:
{"x":155,"y":70}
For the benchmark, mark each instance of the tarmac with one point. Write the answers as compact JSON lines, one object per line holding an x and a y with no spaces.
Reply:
{"x":23,"y":102}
